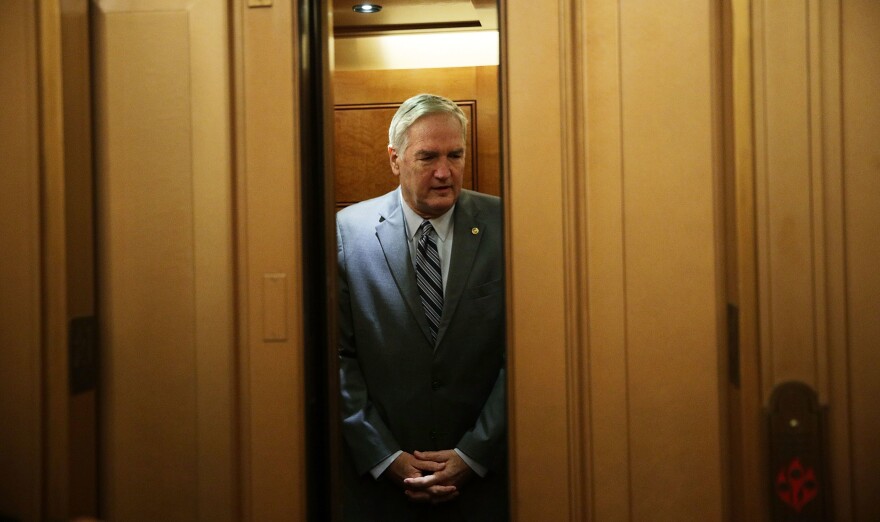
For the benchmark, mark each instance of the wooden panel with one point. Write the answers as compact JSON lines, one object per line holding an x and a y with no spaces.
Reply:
{"x":861,"y":160}
{"x":20,"y":337}
{"x":540,"y":445}
{"x":79,"y":204}
{"x":164,"y":213}
{"x":609,"y":460}
{"x":487,"y":122}
{"x":268,"y":239}
{"x":634,"y":386}
{"x":56,"y":404}
{"x":811,"y":170}
{"x":361,"y":163}
{"x":749,"y":481}
{"x":828,"y":143}
{"x":674,"y":286}
{"x":784,"y":184}
{"x":799,"y":214}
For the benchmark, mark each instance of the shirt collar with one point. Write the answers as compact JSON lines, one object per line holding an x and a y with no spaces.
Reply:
{"x":441,"y":224}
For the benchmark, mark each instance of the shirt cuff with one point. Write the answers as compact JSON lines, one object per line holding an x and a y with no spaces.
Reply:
{"x":380,"y":468}
{"x":478,"y":468}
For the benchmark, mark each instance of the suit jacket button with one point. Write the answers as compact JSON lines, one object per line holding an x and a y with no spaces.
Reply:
{"x":435,"y":385}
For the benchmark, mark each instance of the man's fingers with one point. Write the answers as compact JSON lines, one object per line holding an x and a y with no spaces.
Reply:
{"x":422,"y":482}
{"x":436,"y":456}
{"x":428,"y":465}
{"x":441,"y":491}
{"x":434,"y":494}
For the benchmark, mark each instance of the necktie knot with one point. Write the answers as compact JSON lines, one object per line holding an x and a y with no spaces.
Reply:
{"x":425,"y":229}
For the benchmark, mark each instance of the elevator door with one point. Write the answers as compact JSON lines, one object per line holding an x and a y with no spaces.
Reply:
{"x":165,"y":259}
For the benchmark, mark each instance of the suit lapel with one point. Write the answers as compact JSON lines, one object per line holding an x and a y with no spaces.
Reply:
{"x":391,"y":233}
{"x":468,"y":232}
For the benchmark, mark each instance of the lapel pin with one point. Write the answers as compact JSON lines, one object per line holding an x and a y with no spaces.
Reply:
{"x":475,"y":231}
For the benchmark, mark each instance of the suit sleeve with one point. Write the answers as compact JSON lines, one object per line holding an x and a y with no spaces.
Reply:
{"x":364,"y":431}
{"x":484,"y":442}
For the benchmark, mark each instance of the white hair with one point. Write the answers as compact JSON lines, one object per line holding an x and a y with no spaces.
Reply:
{"x":413,"y":109}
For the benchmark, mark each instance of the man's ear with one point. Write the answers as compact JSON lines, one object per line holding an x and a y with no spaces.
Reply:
{"x":393,"y":158}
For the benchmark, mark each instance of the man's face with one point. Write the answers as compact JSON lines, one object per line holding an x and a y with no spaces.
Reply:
{"x":431,"y":167}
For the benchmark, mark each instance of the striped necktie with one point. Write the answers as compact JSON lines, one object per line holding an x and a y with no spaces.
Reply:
{"x":428,"y":277}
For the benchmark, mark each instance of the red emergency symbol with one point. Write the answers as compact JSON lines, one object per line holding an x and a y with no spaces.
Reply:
{"x":796,"y":485}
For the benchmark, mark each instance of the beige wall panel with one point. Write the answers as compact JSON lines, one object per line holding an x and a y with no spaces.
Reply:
{"x":655,"y":428}
{"x":79,"y":189}
{"x":749,"y":481}
{"x":268,"y":241}
{"x":672,"y":278}
{"x":164,"y":212}
{"x":816,"y":189}
{"x":828,"y":140}
{"x":212,"y":251}
{"x":78,"y":155}
{"x":536,"y":346}
{"x":784,"y":194}
{"x":54,"y":266}
{"x":861,"y":122}
{"x":609,"y":471}
{"x":20,"y":338}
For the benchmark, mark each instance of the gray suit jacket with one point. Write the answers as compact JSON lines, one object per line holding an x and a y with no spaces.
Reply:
{"x":398,"y":390}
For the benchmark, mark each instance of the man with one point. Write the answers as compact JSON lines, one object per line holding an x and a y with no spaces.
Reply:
{"x":421,"y":350}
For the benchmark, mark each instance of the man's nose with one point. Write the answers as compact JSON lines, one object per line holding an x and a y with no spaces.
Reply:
{"x":444,"y":169}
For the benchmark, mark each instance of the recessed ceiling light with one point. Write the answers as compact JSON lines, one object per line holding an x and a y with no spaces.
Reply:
{"x":367,"y":8}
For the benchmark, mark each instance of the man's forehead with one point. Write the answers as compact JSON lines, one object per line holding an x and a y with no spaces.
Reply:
{"x":435,"y":150}
{"x":436,"y":119}
{"x":422,"y":131}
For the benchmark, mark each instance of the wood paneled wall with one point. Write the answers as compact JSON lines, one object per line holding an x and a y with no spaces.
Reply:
{"x":860,"y":88}
{"x":815,"y":129}
{"x":165,"y":260}
{"x":20,"y":286}
{"x":616,"y":276}
{"x":50,"y":432}
{"x":797,"y":207}
{"x":269,"y":257}
{"x":199,"y":262}
{"x":615,"y":254}
{"x":82,"y":479}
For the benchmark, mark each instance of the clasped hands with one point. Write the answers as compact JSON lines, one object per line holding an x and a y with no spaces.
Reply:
{"x":430,"y":476}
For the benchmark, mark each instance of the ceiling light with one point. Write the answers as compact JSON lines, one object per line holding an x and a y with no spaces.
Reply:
{"x":367,"y":8}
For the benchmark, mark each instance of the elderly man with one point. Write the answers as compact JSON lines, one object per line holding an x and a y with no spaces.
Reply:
{"x":421,"y":350}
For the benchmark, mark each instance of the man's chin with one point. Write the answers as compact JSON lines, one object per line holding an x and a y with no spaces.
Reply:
{"x":437,"y":208}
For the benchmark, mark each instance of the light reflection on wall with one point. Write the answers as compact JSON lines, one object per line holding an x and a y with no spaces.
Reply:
{"x":417,"y":51}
